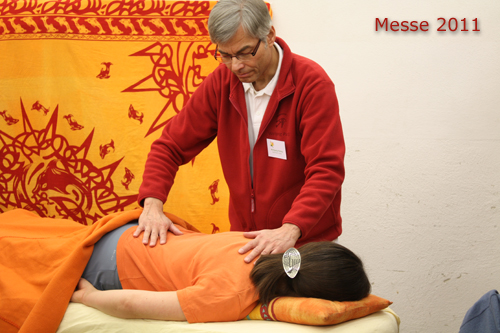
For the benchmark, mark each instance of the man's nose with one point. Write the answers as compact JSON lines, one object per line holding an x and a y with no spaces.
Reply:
{"x":236,"y":64}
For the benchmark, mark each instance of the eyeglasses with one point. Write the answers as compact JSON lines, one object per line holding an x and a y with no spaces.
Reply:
{"x":228,"y":58}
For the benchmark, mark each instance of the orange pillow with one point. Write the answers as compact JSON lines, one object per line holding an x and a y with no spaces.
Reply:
{"x":314,"y":311}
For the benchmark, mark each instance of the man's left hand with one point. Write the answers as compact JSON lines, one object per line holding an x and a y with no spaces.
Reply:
{"x":270,"y":241}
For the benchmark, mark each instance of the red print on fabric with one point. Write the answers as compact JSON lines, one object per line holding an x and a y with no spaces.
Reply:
{"x":264,"y":312}
{"x":40,"y":170}
{"x":106,"y":149}
{"x":8,"y":118}
{"x":127,"y":178}
{"x":39,"y":107}
{"x":214,"y":188}
{"x":73,"y":124}
{"x":105,"y":19}
{"x":46,"y":172}
{"x":215,"y":228}
{"x":134,"y":114}
{"x":104,"y":74}
{"x":175,"y":75}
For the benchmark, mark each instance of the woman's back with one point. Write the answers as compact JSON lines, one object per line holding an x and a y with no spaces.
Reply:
{"x":210,"y":277}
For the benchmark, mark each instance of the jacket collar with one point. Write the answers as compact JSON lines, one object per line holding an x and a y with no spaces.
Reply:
{"x":285,"y":81}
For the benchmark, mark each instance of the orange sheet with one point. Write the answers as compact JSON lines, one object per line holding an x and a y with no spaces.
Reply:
{"x":41,"y":261}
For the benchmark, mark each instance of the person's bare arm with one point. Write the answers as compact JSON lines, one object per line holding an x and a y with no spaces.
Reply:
{"x":154,"y":223}
{"x":125,"y":303}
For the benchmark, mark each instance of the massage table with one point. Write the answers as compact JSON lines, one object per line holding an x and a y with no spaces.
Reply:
{"x":80,"y":319}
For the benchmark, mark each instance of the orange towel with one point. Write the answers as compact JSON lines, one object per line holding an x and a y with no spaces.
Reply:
{"x":35,"y":293}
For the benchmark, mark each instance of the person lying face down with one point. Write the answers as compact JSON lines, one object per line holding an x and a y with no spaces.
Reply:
{"x":201,"y":278}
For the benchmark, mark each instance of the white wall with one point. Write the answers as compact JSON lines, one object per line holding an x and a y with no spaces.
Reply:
{"x":421,"y":116}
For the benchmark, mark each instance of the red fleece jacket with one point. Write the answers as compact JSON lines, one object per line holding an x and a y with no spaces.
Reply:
{"x":304,"y":189}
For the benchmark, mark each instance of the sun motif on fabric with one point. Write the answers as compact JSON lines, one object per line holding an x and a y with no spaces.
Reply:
{"x":40,"y":170}
{"x":177,"y":70}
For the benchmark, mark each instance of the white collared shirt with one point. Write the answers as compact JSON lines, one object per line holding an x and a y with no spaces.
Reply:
{"x":257,"y":103}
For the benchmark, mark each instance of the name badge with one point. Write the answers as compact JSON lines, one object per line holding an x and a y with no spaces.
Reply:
{"x":276,"y":149}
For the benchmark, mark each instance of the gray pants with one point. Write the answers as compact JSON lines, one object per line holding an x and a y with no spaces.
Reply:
{"x":101,"y":269}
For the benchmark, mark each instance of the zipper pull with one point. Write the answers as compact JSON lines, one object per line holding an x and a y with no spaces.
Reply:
{"x":252,"y":203}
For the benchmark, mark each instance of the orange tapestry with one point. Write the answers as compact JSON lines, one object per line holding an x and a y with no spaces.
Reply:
{"x":85,"y":88}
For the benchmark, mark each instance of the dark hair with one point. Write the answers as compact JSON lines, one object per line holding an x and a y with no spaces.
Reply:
{"x":328,"y":271}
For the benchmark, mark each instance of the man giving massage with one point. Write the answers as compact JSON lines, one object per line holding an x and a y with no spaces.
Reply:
{"x":276,"y":118}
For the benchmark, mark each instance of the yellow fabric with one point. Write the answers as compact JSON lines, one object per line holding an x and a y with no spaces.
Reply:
{"x":317,"y":312}
{"x":85,"y":88}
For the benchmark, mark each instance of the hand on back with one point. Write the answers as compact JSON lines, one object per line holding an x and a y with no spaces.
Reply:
{"x":154,"y":223}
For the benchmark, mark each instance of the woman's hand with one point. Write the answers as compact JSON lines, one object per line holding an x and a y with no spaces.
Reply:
{"x":128,"y":303}
{"x":83,"y":289}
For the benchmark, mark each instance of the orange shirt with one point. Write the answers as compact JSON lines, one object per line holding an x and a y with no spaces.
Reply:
{"x":211,"y":279}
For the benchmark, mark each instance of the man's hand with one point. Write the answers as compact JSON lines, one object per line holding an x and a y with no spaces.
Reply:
{"x":154,"y":223}
{"x":270,"y":241}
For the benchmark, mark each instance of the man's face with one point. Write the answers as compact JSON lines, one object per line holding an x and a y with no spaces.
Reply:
{"x":259,"y":68}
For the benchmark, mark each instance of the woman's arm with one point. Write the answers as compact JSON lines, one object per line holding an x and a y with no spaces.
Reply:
{"x":125,"y":303}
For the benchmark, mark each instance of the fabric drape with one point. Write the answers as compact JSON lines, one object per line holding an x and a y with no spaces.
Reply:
{"x":85,"y":88}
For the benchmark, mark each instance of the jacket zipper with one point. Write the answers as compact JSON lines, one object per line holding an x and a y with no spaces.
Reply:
{"x":252,"y":210}
{"x":252,"y":203}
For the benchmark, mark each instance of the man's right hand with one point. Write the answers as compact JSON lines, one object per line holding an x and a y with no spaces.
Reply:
{"x":154,"y":223}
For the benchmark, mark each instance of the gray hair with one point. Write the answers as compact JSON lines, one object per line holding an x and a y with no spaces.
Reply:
{"x":228,"y":15}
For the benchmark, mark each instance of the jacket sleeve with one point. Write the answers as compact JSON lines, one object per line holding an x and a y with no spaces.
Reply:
{"x":323,"y":148}
{"x":184,"y":136}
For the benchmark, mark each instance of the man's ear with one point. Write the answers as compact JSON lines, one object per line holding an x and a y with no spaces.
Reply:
{"x":271,"y":36}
